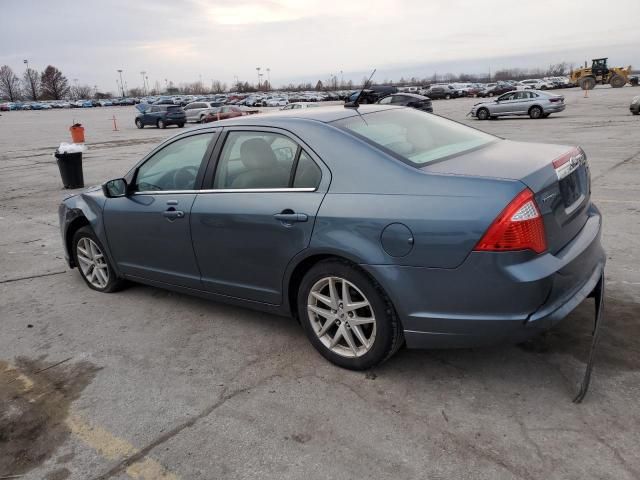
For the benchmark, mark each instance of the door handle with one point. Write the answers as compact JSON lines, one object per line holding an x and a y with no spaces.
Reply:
{"x":172,"y":214}
{"x":291,"y":217}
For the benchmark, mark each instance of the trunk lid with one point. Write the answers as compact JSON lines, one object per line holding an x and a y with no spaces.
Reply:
{"x":558,"y":175}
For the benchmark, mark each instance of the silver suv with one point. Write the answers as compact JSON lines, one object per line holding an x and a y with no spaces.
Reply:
{"x":535,"y":103}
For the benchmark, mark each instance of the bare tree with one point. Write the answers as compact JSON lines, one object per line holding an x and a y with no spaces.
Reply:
{"x":54,"y":85}
{"x":218,"y":87}
{"x":9,"y":84}
{"x":31,"y":84}
{"x":79,"y":92}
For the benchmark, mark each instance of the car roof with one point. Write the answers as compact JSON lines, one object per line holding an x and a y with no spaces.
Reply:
{"x":320,"y":114}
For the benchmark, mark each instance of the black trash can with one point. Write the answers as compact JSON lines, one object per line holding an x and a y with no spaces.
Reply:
{"x":70,"y":165}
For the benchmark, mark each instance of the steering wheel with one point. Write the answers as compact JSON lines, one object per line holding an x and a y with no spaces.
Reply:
{"x":185,"y":177}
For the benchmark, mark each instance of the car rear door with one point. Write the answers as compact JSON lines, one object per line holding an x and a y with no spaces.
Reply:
{"x":258,"y":212}
{"x":148,"y":229}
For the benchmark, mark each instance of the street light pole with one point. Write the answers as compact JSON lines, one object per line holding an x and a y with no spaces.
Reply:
{"x":269,"y":77}
{"x":121,"y":82}
{"x":258,"y":70}
{"x":144,"y":85}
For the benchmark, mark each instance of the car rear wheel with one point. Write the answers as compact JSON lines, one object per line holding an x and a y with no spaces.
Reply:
{"x":347,"y":317}
{"x":161,"y":124}
{"x":491,"y":94}
{"x":139,"y":123}
{"x":482,"y":114}
{"x":535,"y":112}
{"x":94,"y":266}
{"x":180,"y":125}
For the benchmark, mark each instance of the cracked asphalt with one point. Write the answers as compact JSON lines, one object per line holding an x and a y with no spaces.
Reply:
{"x":149,"y":384}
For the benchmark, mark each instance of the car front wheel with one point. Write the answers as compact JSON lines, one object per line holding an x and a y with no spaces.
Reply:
{"x":139,"y":123}
{"x":161,"y":124}
{"x":92,"y":262}
{"x":482,"y":114}
{"x":347,"y":317}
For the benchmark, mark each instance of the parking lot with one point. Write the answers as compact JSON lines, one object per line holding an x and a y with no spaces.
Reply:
{"x":149,"y":384}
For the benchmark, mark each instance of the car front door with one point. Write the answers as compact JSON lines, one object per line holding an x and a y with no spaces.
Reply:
{"x":148,"y":229}
{"x":258,"y":213}
{"x":503,"y":104}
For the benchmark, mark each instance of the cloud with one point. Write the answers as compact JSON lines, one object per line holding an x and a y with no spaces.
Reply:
{"x":308,"y":39}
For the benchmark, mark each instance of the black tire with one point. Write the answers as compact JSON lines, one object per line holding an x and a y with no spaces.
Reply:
{"x":181,"y":125}
{"x":139,"y":123}
{"x":388,"y":337}
{"x":114,"y":283}
{"x":536,"y":112}
{"x":482,"y":114}
{"x":447,"y":96}
{"x":161,"y":124}
{"x":617,"y":81}
{"x":587,"y":83}
{"x":490,"y":94}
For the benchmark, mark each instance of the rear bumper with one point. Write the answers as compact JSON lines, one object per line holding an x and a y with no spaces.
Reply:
{"x":494,"y":298}
{"x":555,"y":108}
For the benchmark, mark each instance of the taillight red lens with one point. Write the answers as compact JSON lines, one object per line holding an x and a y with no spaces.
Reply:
{"x":518,"y":227}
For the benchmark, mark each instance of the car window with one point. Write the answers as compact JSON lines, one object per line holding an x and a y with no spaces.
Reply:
{"x":255,"y":160}
{"x":308,"y":174}
{"x":386,"y":100}
{"x":175,"y":167}
{"x":416,"y":137}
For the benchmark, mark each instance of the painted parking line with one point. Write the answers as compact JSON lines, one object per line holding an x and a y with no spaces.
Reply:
{"x":102,"y":441}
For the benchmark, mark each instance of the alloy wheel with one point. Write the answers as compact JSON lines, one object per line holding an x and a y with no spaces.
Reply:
{"x":92,"y":262}
{"x":342,"y":317}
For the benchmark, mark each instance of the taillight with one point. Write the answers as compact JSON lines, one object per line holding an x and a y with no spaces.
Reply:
{"x":518,"y":227}
{"x":555,"y":99}
{"x":568,"y":162}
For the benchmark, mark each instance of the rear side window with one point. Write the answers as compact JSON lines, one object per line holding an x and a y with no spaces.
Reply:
{"x":308,"y":174}
{"x":255,"y":160}
{"x":416,"y":137}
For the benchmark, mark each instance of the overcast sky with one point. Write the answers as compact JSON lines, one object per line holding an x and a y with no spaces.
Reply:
{"x":309,"y":39}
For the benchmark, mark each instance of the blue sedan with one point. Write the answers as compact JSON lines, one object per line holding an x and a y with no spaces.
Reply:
{"x":375,"y":227}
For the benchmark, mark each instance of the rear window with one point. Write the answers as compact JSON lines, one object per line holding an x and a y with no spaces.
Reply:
{"x":416,"y":137}
{"x":173,"y":109}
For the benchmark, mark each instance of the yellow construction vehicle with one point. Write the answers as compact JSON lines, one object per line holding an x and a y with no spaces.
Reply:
{"x":587,"y":78}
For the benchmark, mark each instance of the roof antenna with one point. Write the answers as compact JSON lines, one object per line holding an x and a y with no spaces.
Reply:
{"x":355,"y":103}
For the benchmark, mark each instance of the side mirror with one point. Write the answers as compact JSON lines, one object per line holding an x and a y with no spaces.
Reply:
{"x":115,"y":188}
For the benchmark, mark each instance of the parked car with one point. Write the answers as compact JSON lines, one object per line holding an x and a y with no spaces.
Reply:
{"x":494,"y":89}
{"x":227,"y":111}
{"x":5,"y":107}
{"x":276,"y":102}
{"x":299,"y":105}
{"x":436,"y":92}
{"x":160,"y":116}
{"x":196,"y":111}
{"x":372,"y":94}
{"x":413,"y":100}
{"x":537,"y":84}
{"x":635,"y":105}
{"x":535,"y":103}
{"x":277,"y":213}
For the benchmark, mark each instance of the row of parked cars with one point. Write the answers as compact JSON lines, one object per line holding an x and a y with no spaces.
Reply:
{"x":51,"y":104}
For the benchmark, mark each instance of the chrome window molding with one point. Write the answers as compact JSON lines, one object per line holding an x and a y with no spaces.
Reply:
{"x":225,"y":190}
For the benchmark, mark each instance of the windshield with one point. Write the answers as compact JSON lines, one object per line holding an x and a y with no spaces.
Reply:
{"x":417,"y":137}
